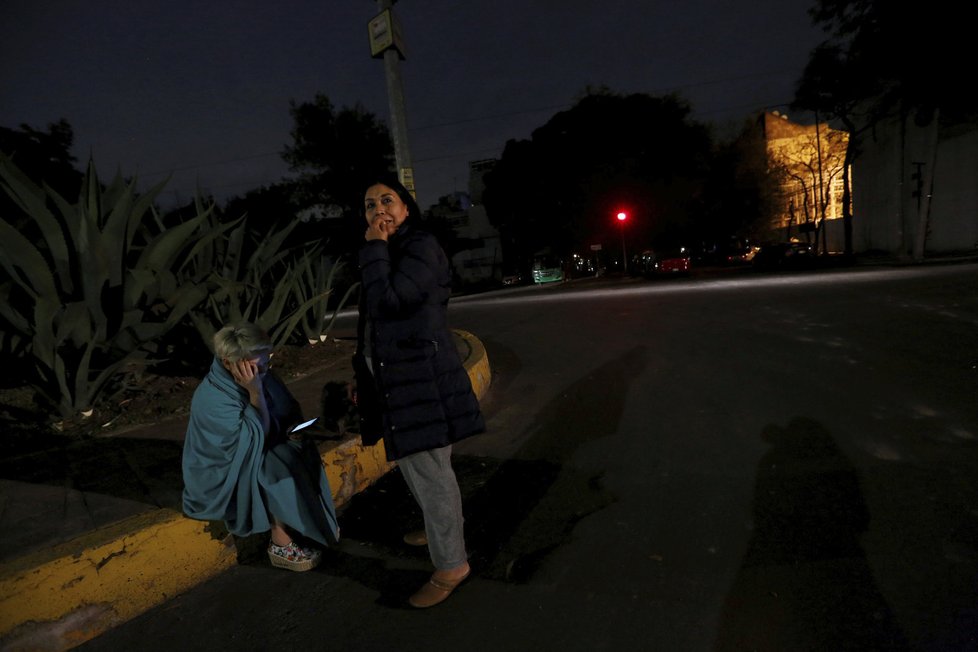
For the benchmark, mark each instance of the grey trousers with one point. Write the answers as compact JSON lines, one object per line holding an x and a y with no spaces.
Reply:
{"x":430,"y":478}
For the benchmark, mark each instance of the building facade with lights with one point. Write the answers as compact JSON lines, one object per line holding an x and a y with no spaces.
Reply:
{"x":807,"y":161}
{"x":912,"y":181}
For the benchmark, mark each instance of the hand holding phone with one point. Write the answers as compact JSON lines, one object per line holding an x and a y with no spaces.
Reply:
{"x":303,"y":425}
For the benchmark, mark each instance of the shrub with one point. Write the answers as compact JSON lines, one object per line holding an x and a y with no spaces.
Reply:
{"x":97,"y":289}
{"x":317,"y":274}
{"x":284,"y":290}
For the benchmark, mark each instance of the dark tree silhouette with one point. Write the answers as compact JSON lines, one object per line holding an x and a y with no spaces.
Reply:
{"x":45,"y":157}
{"x":883,"y":59}
{"x":334,"y":153}
{"x":743,"y":190}
{"x":561,"y":189}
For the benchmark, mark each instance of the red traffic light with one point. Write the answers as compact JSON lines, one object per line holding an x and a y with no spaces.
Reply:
{"x":622,"y":216}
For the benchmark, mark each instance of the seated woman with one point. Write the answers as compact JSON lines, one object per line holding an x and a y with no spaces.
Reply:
{"x":240,"y":464}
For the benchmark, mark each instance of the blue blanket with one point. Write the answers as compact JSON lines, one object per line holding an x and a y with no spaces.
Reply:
{"x":236,"y":473}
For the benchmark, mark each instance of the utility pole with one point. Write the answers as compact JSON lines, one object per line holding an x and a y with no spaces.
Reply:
{"x":386,"y":42}
{"x":821,"y":184}
{"x":622,"y":216}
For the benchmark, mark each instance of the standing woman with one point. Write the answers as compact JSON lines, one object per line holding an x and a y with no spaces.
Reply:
{"x":412,"y":390}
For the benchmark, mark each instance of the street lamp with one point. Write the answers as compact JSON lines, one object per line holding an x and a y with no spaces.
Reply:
{"x":622,"y":217}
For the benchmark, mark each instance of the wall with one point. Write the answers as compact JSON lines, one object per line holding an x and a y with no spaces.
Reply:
{"x":885,"y":216}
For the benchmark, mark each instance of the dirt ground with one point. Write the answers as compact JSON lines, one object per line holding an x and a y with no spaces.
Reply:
{"x":146,"y":399}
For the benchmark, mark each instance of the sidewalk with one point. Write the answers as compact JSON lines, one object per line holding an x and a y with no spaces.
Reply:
{"x":76,"y":563}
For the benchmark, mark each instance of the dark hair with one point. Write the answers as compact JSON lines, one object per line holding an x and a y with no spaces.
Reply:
{"x":391,"y":181}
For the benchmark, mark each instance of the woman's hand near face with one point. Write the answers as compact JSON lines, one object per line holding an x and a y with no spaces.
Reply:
{"x":377,"y":230}
{"x":245,"y":373}
{"x":247,"y":376}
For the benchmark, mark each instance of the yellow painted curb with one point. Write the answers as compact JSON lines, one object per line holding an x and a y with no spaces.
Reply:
{"x":59,"y":598}
{"x":63,"y":597}
{"x":476,"y":364}
{"x":351,"y":467}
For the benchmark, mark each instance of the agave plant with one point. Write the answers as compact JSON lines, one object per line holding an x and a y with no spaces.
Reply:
{"x":283,"y":290}
{"x":316,"y":276}
{"x":245,"y":280}
{"x":97,"y":288}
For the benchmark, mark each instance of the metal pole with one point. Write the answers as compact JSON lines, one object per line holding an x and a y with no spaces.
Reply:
{"x":624,"y":256}
{"x":398,"y":114}
{"x":821,"y":184}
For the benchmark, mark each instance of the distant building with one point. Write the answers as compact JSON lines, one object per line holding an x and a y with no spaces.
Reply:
{"x":912,"y":183}
{"x":808,"y":161}
{"x":466,"y":213}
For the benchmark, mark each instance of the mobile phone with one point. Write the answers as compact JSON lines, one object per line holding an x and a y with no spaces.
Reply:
{"x":304,"y":424}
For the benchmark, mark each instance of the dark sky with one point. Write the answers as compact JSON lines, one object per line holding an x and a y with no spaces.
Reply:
{"x":201,"y":89}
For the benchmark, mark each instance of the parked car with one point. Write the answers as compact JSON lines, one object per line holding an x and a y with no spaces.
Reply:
{"x":784,"y":255}
{"x":547,"y":269}
{"x":667,"y":262}
{"x":725,"y":253}
{"x":673,"y":262}
{"x":740,"y":255}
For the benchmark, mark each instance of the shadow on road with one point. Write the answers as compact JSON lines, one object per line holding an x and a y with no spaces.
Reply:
{"x":518,"y":510}
{"x":804,"y":583}
{"x":142,"y":470}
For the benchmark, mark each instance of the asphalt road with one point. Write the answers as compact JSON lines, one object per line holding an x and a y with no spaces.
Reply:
{"x":739,"y":462}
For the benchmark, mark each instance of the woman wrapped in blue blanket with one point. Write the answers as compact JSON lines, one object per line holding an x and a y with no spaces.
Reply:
{"x":242,"y":465}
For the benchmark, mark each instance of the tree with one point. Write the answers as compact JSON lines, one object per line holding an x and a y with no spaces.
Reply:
{"x":335,"y":153}
{"x":561,"y":189}
{"x":270,"y":207}
{"x":743,"y":190}
{"x":44,"y":157}
{"x":884,"y":59}
{"x":904,"y":57}
{"x":839,"y":88}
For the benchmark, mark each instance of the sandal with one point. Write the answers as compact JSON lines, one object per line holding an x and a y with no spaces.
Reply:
{"x":435,"y":591}
{"x":293,"y":557}
{"x":416,"y":538}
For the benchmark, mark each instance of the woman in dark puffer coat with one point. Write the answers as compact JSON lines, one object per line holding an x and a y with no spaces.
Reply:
{"x":412,"y":390}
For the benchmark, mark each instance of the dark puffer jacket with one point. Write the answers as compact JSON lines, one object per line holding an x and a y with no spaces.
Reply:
{"x":419,"y":396}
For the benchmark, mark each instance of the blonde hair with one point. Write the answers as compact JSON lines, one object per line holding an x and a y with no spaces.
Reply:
{"x":241,"y":341}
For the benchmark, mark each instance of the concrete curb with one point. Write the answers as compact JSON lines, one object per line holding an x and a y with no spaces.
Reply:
{"x":61,"y":597}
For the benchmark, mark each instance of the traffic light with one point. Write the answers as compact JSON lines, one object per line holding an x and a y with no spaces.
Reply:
{"x":622,"y":216}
